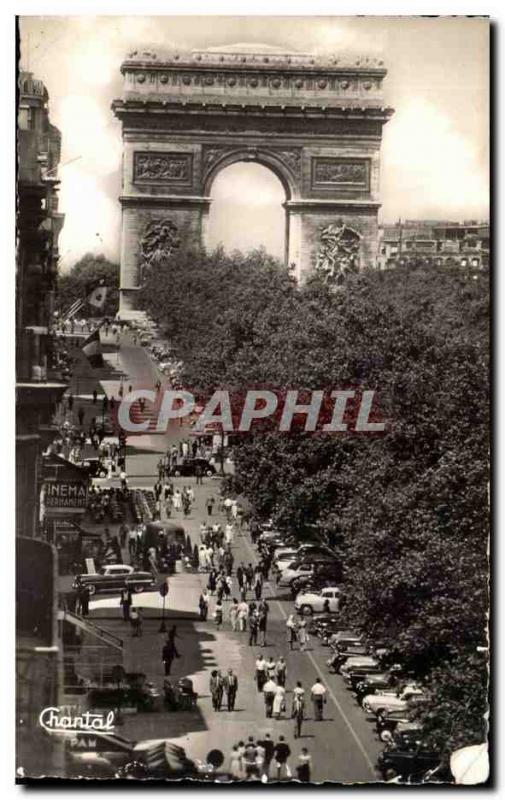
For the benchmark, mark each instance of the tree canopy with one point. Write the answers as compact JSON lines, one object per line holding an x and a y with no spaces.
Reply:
{"x":74,"y":285}
{"x":407,"y":510}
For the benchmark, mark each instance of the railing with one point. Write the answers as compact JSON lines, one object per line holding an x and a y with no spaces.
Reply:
{"x":91,"y":628}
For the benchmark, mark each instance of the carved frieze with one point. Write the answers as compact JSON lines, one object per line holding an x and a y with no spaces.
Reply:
{"x":341,"y":173}
{"x":338,"y":252}
{"x":159,"y":240}
{"x":171,"y":168}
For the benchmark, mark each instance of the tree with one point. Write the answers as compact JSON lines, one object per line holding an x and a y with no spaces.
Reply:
{"x":406,"y":512}
{"x":75,"y":285}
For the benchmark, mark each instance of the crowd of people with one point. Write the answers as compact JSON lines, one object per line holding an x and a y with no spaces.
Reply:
{"x":263,"y":759}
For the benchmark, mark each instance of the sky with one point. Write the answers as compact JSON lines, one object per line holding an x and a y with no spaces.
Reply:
{"x":435,"y":151}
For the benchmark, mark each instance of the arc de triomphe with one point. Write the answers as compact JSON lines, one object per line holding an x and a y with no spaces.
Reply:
{"x":315,"y":122}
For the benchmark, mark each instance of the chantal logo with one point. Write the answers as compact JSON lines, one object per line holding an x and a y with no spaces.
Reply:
{"x":55,"y":720}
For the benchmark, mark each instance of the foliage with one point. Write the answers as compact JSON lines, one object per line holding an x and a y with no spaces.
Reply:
{"x":407,"y":511}
{"x":75,"y":285}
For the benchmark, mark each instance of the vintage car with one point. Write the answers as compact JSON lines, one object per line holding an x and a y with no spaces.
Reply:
{"x":410,"y":764}
{"x":188,"y":466}
{"x":361,"y":662}
{"x":391,"y":701}
{"x":114,"y":578}
{"x":341,"y":655}
{"x":298,"y":569}
{"x":310,"y":602}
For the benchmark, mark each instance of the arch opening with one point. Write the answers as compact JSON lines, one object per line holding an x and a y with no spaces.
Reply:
{"x":247,"y":210}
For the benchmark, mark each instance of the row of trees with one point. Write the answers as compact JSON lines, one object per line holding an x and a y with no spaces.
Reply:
{"x":406,"y":511}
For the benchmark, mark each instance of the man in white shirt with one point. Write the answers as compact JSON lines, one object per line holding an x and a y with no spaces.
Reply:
{"x":318,"y":697}
{"x":269,"y":690}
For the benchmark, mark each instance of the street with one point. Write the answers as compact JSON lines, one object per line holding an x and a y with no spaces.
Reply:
{"x":342,"y":746}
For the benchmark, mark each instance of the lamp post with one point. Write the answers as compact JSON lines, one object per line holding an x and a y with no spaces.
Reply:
{"x":163,"y":593}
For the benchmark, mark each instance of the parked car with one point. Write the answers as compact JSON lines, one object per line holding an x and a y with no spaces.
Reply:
{"x":188,"y":466}
{"x":298,"y":569}
{"x":310,"y":602}
{"x":389,"y":701}
{"x":386,"y":722}
{"x":339,"y":638}
{"x":408,"y":764}
{"x":372,"y":684}
{"x":284,"y":558}
{"x":340,"y":656}
{"x":354,"y":663}
{"x":405,"y":737}
{"x":115,"y":577}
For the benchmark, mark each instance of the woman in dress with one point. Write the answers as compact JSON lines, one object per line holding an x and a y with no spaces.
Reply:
{"x":303,"y":636}
{"x":177,"y":500}
{"x":235,"y":764}
{"x":279,"y":701}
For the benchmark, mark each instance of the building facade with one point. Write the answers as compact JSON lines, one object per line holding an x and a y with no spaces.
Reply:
{"x":434,"y":241}
{"x":39,"y":387}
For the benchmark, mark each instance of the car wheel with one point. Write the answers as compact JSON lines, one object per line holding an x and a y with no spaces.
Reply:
{"x":306,"y":610}
{"x":389,"y":774}
{"x":91,"y":588}
{"x":385,"y":736}
{"x":138,"y":588}
{"x":177,"y":473}
{"x":209,"y":473}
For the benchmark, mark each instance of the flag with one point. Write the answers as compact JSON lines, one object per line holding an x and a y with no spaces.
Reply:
{"x":93,"y":351}
{"x":97,"y":295}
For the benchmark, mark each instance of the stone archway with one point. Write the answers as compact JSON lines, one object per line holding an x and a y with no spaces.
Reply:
{"x":316,"y":123}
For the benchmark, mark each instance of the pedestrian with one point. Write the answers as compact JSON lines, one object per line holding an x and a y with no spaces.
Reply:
{"x":216,"y":689}
{"x":318,"y":697}
{"x":203,"y":605}
{"x":123,"y":479}
{"x":280,"y":671}
{"x":279,"y":704}
{"x":258,"y":585}
{"x":84,"y":601}
{"x":271,"y":668}
{"x":253,"y":629}
{"x":240,"y":575}
{"x":231,"y":688}
{"x":95,"y":396}
{"x":210,"y":504}
{"x":291,"y":631}
{"x":136,"y":621}
{"x":303,"y":636}
{"x":298,"y":708}
{"x":234,"y":614}
{"x":218,"y":614}
{"x":177,"y":500}
{"x":227,"y":505}
{"x":261,"y":672}
{"x":199,"y":474}
{"x":282,"y":753}
{"x":168,"y":654}
{"x":249,"y":576}
{"x":303,"y":769}
{"x":263,"y":611}
{"x":268,"y":747}
{"x":243,"y":613}
{"x":235,"y":764}
{"x":125,"y":603}
{"x":80,"y":415}
{"x":249,"y":759}
{"x":269,"y":689}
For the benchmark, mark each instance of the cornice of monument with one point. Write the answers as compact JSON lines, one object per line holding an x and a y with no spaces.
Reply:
{"x":269,"y":59}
